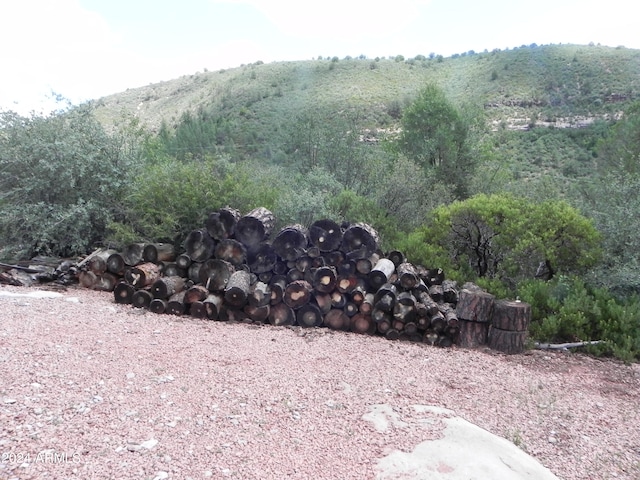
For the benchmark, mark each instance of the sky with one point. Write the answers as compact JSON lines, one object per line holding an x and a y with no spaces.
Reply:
{"x":87,"y":49}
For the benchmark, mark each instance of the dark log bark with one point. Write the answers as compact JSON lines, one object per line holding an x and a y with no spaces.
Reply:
{"x":381,"y":273}
{"x":304,"y":263}
{"x":365,"y":265}
{"x":183,"y":261}
{"x":199,"y":245}
{"x":510,"y":342}
{"x":430,"y":337}
{"x":141,"y":299}
{"x":172,"y":270}
{"x":381,"y":316}
{"x":106,"y":282}
{"x":406,"y":298}
{"x":166,"y":286}
{"x":297,"y":293}
{"x":450,"y":291}
{"x":87,"y":279}
{"x":294,"y":275}
{"x":436,"y":293}
{"x":236,"y":292}
{"x":438,"y":322}
{"x":383,"y":326}
{"x":323,"y":301}
{"x":123,"y":293}
{"x":434,"y":277}
{"x":159,"y":252}
{"x":309,"y":315}
{"x":396,"y":256}
{"x":356,"y":294}
{"x":361,"y":323}
{"x":231,"y":251}
{"x":359,"y":241}
{"x":291,"y":242}
{"x":281,"y":314}
{"x":255,"y":226}
{"x":392,"y":334}
{"x":336,"y":319}
{"x":259,"y":294}
{"x":98,"y":262}
{"x":314,"y":252}
{"x":263,"y":258}
{"x":410,"y":328}
{"x":277,"y":284}
{"x":346,"y":283}
{"x":257,"y":314}
{"x":510,"y":315}
{"x":132,"y":254}
{"x":404,"y":313}
{"x":222,"y":224}
{"x":347,"y":267}
{"x":385,"y":297}
{"x":472,"y":334}
{"x":334,"y":257}
{"x":176,"y":304}
{"x":158,"y":306}
{"x":115,"y":264}
{"x":326,"y":235}
{"x":430,"y":305}
{"x":142,"y":275}
{"x":233,"y":315}
{"x":279,"y":268}
{"x":407,"y":275}
{"x":476,"y":306}
{"x":213,"y":304}
{"x":324,"y":279}
{"x":193,"y":272}
{"x":197,"y":309}
{"x":215,"y":273}
{"x":196,"y":293}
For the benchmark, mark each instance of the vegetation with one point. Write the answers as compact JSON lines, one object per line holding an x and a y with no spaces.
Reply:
{"x":514,"y":169}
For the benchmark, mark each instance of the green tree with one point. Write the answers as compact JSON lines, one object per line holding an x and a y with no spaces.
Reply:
{"x":620,"y":151}
{"x":62,"y":178}
{"x":435,"y":134}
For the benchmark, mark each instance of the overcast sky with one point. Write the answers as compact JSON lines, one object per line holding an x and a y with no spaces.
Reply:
{"x":84,"y":49}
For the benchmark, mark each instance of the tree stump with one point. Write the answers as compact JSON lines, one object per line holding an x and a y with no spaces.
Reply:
{"x":476,"y":306}
{"x":506,"y":341}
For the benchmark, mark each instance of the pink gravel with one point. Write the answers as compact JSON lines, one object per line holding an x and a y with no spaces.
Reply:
{"x":90,"y":389}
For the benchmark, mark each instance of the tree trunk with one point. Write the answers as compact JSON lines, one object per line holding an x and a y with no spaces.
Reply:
{"x":222,"y":224}
{"x":255,"y":226}
{"x":193,"y":272}
{"x":381,"y":273}
{"x":407,"y":275}
{"x":365,"y":265}
{"x":237,"y":291}
{"x":123,"y":293}
{"x":324,"y":279}
{"x":361,"y":323}
{"x":510,"y":342}
{"x":281,"y":314}
{"x":141,"y":298}
{"x":258,"y":314}
{"x":166,"y":286}
{"x":158,"y":306}
{"x":513,"y":316}
{"x":476,"y":305}
{"x":132,"y":254}
{"x":142,"y":275}
{"x":159,"y":252}
{"x":199,"y":245}
{"x":105,"y":282}
{"x":196,"y":293}
{"x":359,"y":241}
{"x":231,"y":251}
{"x":259,"y":294}
{"x":337,"y":320}
{"x":297,"y":293}
{"x":115,"y":264}
{"x":472,"y":334}
{"x":183,"y":261}
{"x":326,"y":235}
{"x":215,"y":273}
{"x":262,"y":258}
{"x":98,"y":262}
{"x":309,"y":315}
{"x":291,"y":242}
{"x":176,"y":304}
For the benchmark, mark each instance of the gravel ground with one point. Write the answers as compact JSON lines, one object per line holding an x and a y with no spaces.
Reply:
{"x":90,"y":389}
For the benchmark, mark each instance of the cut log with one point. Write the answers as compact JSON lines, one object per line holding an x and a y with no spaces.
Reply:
{"x":475,"y":305}
{"x":199,"y":245}
{"x":334,"y":257}
{"x":404,"y":313}
{"x":183,"y":261}
{"x":257,"y":314}
{"x":105,"y":282}
{"x":383,"y":326}
{"x":132,"y":254}
{"x":215,"y":273}
{"x":193,"y":272}
{"x":346,"y":283}
{"x":123,"y":293}
{"x":172,"y":270}
{"x":141,"y":299}
{"x":142,"y":275}
{"x":164,"y":287}
{"x":291,"y":242}
{"x":263,"y":258}
{"x":277,"y":284}
{"x":197,"y":309}
{"x":324,"y":279}
{"x":350,"y":309}
{"x":213,"y":304}
{"x":450,"y":292}
{"x":505,"y":341}
{"x":336,"y":319}
{"x":510,"y":315}
{"x":392,"y":334}
{"x":338,"y":300}
{"x":196,"y":293}
{"x":159,"y":252}
{"x":326,"y":235}
{"x":385,"y":297}
{"x":98,"y":262}
{"x":87,"y":279}
{"x":323,"y":301}
{"x":347,"y":267}
{"x":115,"y":264}
{"x":254,"y":227}
{"x":259,"y":294}
{"x":176,"y":304}
{"x":396,"y":256}
{"x":365,"y":265}
{"x":381,"y":316}
{"x":472,"y":334}
{"x":281,"y":314}
{"x":158,"y":306}
{"x":309,"y":315}
{"x":434,"y":277}
{"x":407,"y":275}
{"x":236,"y":292}
{"x":359,"y":241}
{"x":222,"y":224}
{"x":304,"y":263}
{"x":231,"y":251}
{"x":436,"y":293}
{"x":381,"y":273}
{"x":356,"y":294}
{"x":297,"y":293}
{"x":366,"y":307}
{"x":361,"y":323}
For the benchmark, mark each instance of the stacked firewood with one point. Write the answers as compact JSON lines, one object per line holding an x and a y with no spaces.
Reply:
{"x":327,"y":275}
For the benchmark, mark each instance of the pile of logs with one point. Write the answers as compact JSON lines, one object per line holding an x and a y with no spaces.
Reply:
{"x":328,"y":275}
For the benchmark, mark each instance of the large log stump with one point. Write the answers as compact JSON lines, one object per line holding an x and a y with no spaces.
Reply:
{"x":476,"y":305}
{"x":510,"y":315}
{"x":472,"y":334}
{"x":326,"y":235}
{"x":158,"y":252}
{"x":506,"y":341}
{"x":231,"y":251}
{"x":222,"y":224}
{"x":255,"y":226}
{"x":359,"y":241}
{"x":132,"y":254}
{"x":291,"y":242}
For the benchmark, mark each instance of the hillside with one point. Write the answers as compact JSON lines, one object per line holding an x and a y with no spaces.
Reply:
{"x":561,"y":85}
